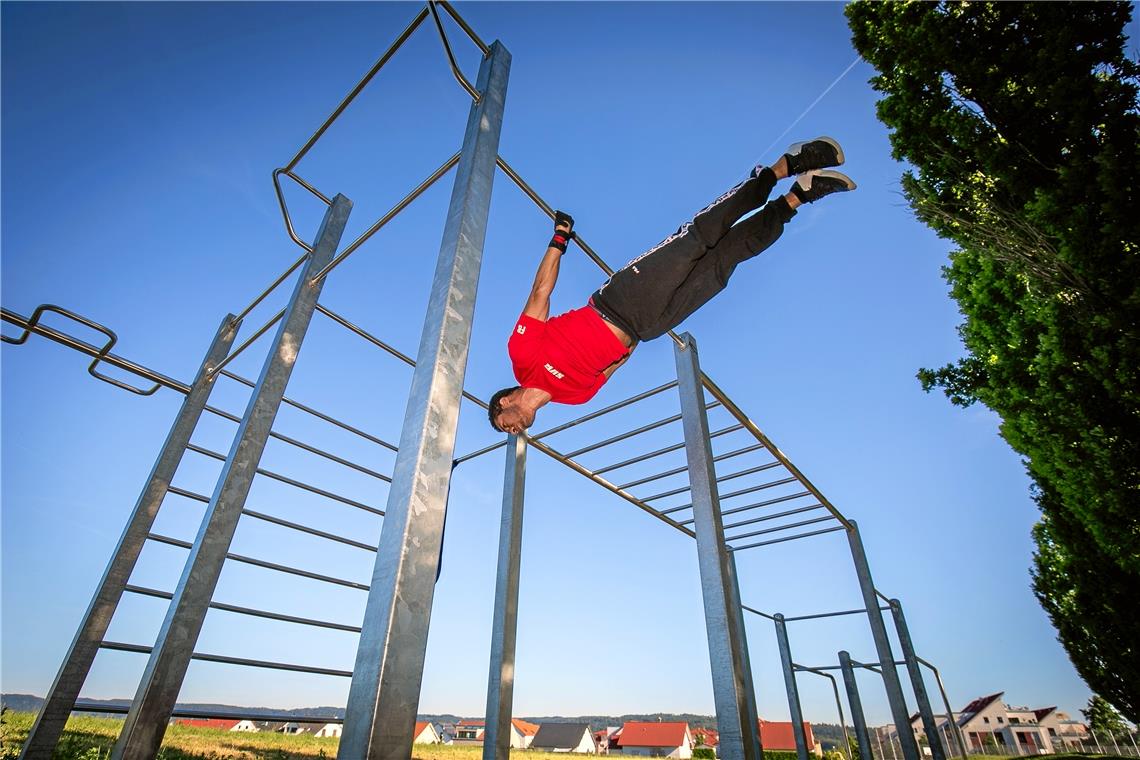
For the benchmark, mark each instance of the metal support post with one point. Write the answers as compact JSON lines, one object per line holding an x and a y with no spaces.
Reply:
{"x":162,"y":679}
{"x":722,"y":618}
{"x":915,"y":672}
{"x":76,"y":665}
{"x":883,"y":647}
{"x":792,"y":689}
{"x":752,"y":716}
{"x":949,"y":710}
{"x":856,"y":705}
{"x":501,"y":680}
{"x":385,"y":691}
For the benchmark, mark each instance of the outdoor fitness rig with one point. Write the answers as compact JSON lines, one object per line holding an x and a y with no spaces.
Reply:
{"x":386,"y":679}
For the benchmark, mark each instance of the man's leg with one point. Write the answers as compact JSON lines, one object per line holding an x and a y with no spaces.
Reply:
{"x":638,"y":293}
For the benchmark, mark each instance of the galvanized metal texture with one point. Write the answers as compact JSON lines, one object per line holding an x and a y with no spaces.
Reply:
{"x":856,"y":705}
{"x":915,"y":672}
{"x":790,"y":687}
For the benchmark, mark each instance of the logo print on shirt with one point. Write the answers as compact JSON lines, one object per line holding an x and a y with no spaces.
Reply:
{"x":553,"y":371}
{"x":520,"y":329}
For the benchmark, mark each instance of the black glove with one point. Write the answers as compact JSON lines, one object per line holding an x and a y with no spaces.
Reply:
{"x":561,"y":238}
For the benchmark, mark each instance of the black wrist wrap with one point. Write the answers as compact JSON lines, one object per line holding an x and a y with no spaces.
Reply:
{"x":560,"y":240}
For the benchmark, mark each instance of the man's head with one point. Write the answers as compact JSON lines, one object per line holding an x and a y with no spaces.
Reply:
{"x":507,"y":413}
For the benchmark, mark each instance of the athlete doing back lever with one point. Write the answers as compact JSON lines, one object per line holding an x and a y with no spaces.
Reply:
{"x":569,"y":357}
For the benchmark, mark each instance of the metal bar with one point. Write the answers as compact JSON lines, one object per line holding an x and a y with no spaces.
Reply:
{"x":416,"y":193}
{"x":860,"y":611}
{"x":751,"y":715}
{"x":666,"y":450}
{"x":143,"y":729}
{"x":736,"y":412}
{"x":250,"y":611}
{"x":423,"y":14}
{"x":838,"y":706}
{"x":755,"y":611}
{"x":631,"y":434}
{"x":767,"y":502}
{"x":501,"y":679}
{"x":188,"y":494}
{"x":73,"y":671}
{"x":450,"y":57}
{"x":171,"y":541}
{"x":775,"y":516}
{"x":611,"y":408}
{"x":86,"y":348}
{"x":730,"y":476}
{"x":286,"y":217}
{"x":741,"y":492}
{"x":463,"y":25}
{"x":882,"y":647}
{"x":203,"y":657}
{"x":249,"y":342}
{"x":856,"y":704}
{"x":385,"y":689}
{"x":949,"y":710}
{"x":722,"y":622}
{"x":311,"y":531}
{"x":907,"y":646}
{"x":778,"y":528}
{"x":789,"y":668}
{"x":786,"y":538}
{"x":284,"y":275}
{"x":181,"y":712}
{"x":679,"y":470}
{"x":314,"y":412}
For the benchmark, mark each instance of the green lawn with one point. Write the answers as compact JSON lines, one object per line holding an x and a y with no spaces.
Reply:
{"x":92,"y":739}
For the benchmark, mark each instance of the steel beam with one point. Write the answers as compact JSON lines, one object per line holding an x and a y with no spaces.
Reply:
{"x":752,"y":716}
{"x":793,"y":690}
{"x":501,"y":680}
{"x":882,"y":646}
{"x":856,"y":705}
{"x":722,"y":616}
{"x":382,"y":701}
{"x":162,"y":679}
{"x":917,"y":684}
{"x":76,"y":665}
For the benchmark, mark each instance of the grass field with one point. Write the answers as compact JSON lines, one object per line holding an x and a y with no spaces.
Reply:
{"x":92,"y":739}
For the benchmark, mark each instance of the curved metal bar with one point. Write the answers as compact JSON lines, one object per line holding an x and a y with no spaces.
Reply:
{"x":293,"y":268}
{"x":250,"y":611}
{"x":423,"y":186}
{"x":786,"y":538}
{"x":86,"y":348}
{"x":451,"y":58}
{"x":249,"y":342}
{"x":423,"y":14}
{"x":285,"y":210}
{"x":463,"y":25}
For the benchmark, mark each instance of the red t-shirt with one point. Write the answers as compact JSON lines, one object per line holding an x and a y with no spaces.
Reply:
{"x":564,"y":355}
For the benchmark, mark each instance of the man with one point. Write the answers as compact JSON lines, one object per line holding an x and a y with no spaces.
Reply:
{"x":567,"y":358}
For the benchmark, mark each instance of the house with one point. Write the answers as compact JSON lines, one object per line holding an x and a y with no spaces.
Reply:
{"x":656,"y":739}
{"x":425,"y":733}
{"x":706,"y":737}
{"x":989,"y":721}
{"x":565,"y":737}
{"x":327,"y":729}
{"x":607,"y":738}
{"x":778,"y":735}
{"x":245,"y":725}
{"x":219,"y":725}
{"x":471,"y":732}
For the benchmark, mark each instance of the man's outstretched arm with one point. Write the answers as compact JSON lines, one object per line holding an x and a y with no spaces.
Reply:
{"x":538,"y":304}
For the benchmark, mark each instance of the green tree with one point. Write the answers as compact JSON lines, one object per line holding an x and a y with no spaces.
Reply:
{"x":1103,"y":717}
{"x":853,"y":750}
{"x":1020,"y":121}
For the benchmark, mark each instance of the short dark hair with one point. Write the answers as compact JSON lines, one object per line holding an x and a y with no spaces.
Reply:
{"x":496,"y":406}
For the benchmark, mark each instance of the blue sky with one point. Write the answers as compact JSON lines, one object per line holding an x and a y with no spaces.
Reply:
{"x":138,"y":142}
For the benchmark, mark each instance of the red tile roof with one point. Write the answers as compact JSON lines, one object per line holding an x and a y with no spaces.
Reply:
{"x":524,"y":728}
{"x":221,"y":725}
{"x":420,"y":726}
{"x":653,"y":734}
{"x":709,"y":735}
{"x":470,"y":723}
{"x":778,"y":735}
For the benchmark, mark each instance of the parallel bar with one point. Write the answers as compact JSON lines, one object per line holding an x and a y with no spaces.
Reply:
{"x":311,"y":531}
{"x":631,"y":433}
{"x":122,"y":647}
{"x":248,"y":342}
{"x":86,"y":348}
{"x":860,"y":611}
{"x":722,"y":479}
{"x":741,"y":492}
{"x":188,"y":494}
{"x":883,"y":647}
{"x":76,"y":665}
{"x":934,"y":741}
{"x":856,"y":704}
{"x":679,"y":470}
{"x":501,"y":679}
{"x":252,"y":612}
{"x":99,"y":707}
{"x":722,"y":621}
{"x":158,"y":690}
{"x":774,"y":516}
{"x":385,"y":690}
{"x":789,"y":668}
{"x":778,"y":528}
{"x":787,"y":538}
{"x":273,"y":286}
{"x":666,"y":450}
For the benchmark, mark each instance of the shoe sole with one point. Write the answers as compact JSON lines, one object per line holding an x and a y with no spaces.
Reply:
{"x":794,"y":148}
{"x":847,"y":181}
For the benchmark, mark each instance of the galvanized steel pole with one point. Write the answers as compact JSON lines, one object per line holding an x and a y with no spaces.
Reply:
{"x":752,"y":716}
{"x":786,"y":664}
{"x":915,"y":672}
{"x":957,"y":730}
{"x":162,"y":679}
{"x":856,"y":705}
{"x":721,"y":615}
{"x":882,"y":647}
{"x":73,"y":672}
{"x":382,"y":701}
{"x":501,"y":680}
